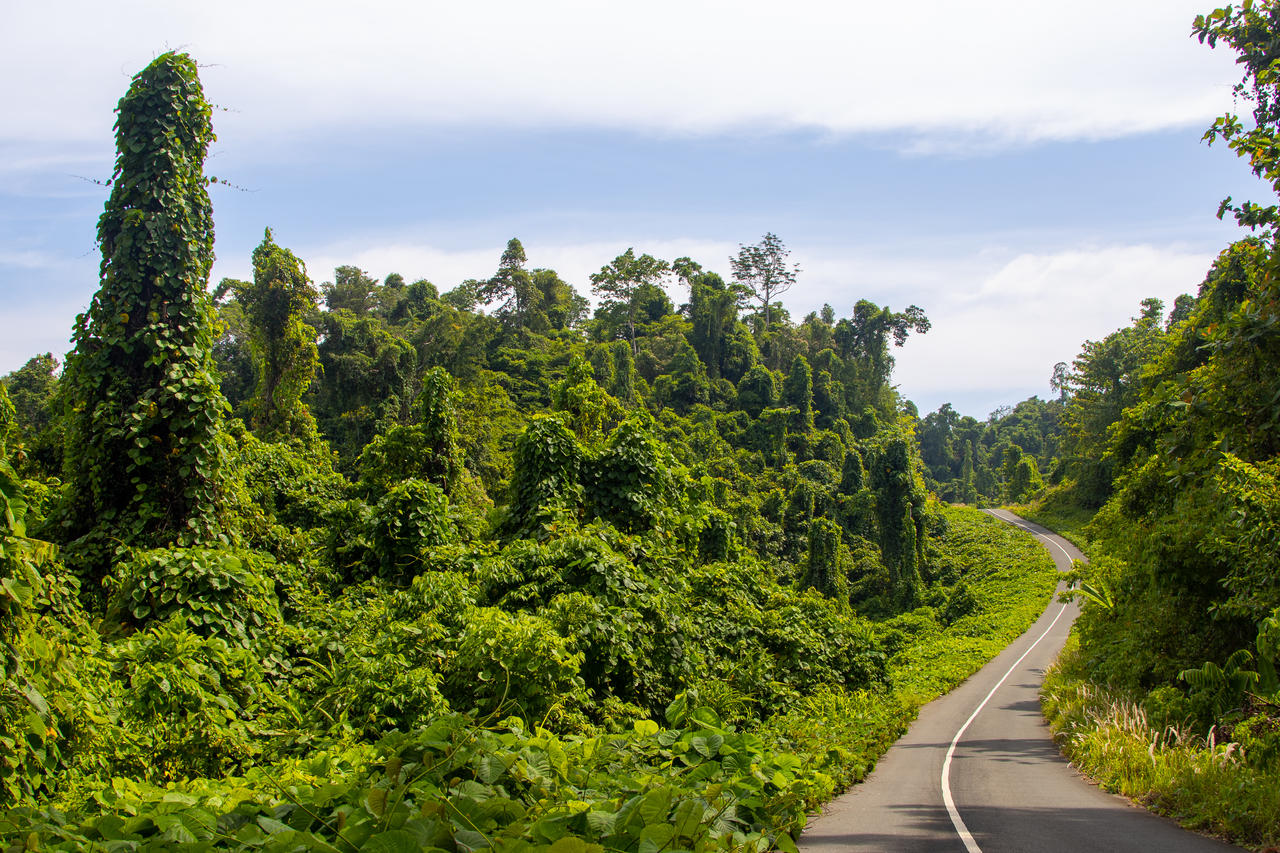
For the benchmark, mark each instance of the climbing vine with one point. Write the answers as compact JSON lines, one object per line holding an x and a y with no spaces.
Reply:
{"x":142,"y":458}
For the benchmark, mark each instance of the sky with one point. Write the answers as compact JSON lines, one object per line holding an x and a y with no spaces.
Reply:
{"x":1026,"y":173}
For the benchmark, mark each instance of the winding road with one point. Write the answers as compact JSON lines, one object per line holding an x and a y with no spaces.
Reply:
{"x":978,"y":772}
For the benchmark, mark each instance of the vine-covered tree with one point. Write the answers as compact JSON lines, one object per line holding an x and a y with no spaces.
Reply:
{"x":141,"y":455}
{"x":284,"y":347}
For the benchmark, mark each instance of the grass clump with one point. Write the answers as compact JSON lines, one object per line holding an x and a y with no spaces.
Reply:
{"x":1130,"y":747}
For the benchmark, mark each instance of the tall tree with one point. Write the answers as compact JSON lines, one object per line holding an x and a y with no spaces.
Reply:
{"x":142,"y":457}
{"x":351,"y":289}
{"x":763,"y":270}
{"x":284,"y":347}
{"x":863,"y":344}
{"x":512,"y":287}
{"x":713,"y":311}
{"x":621,"y":282}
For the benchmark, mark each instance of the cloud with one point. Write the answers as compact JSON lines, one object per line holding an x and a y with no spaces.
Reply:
{"x":999,"y":333}
{"x":945,"y":74}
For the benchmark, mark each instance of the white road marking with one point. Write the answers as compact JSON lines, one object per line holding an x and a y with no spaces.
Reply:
{"x":1026,"y":527}
{"x":962,"y":830}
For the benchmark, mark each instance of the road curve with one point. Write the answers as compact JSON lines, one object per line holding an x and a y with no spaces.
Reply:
{"x":1010,"y":789}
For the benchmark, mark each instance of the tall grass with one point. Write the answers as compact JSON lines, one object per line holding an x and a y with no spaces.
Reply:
{"x":1202,"y":782}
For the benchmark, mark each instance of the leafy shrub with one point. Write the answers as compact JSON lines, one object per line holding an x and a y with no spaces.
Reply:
{"x":289,"y":485}
{"x":410,"y":520}
{"x":215,"y":593}
{"x":545,"y":485}
{"x":717,"y":537}
{"x":186,"y":703}
{"x":632,"y":483}
{"x":508,"y":663}
{"x":960,"y":603}
{"x":1167,"y":706}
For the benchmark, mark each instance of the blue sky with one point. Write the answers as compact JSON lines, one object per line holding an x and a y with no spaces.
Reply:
{"x":1024,"y":174}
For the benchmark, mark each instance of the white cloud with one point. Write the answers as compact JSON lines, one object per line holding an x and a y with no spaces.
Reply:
{"x":1000,"y":71}
{"x":1006,"y":328}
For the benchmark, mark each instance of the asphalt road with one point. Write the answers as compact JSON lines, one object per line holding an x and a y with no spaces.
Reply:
{"x":986,"y":747}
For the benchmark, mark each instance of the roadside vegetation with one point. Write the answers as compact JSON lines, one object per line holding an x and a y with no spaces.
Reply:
{"x":1162,"y":461}
{"x":369,"y":566}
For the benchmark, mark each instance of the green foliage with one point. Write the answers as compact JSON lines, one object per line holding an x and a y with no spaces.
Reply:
{"x":142,"y":457}
{"x":36,"y":441}
{"x":410,"y":520}
{"x":368,"y":381}
{"x":8,"y":421}
{"x":586,"y":404}
{"x":632,"y":482}
{"x":757,"y":391}
{"x":825,"y":574}
{"x":429,"y":450}
{"x":29,"y":727}
{"x":763,"y":274}
{"x":284,"y":346}
{"x":623,"y":286}
{"x":797,"y":392}
{"x":513,"y":663}
{"x":213,"y":592}
{"x":685,"y":384}
{"x":546,"y":483}
{"x":188,"y":702}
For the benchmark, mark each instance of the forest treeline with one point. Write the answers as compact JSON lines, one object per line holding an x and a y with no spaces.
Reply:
{"x":373,"y":565}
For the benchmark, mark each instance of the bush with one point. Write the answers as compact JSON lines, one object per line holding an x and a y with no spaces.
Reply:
{"x":187,"y":703}
{"x":407,"y":523}
{"x":215,"y":593}
{"x":514,"y":663}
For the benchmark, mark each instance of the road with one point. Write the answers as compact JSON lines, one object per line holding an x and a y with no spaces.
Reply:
{"x":978,"y":771}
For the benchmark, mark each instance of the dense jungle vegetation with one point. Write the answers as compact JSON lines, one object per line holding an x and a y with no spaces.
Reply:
{"x":380,"y":565}
{"x":374,"y":566}
{"x":1162,"y":456}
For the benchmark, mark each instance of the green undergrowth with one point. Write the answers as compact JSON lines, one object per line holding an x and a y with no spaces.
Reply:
{"x":1206,"y":783}
{"x":696,"y":777}
{"x":1005,"y":580}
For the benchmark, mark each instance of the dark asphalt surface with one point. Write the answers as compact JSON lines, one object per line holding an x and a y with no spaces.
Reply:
{"x":1011,"y":788}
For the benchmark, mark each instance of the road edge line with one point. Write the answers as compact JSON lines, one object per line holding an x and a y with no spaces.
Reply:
{"x":963,"y":831}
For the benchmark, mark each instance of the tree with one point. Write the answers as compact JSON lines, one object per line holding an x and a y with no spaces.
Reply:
{"x":713,"y":312}
{"x":797,"y":392}
{"x":284,"y":347}
{"x":863,"y":344}
{"x":1250,"y":29}
{"x":142,"y":457}
{"x":763,"y":270}
{"x":620,"y":283}
{"x":351,"y":289}
{"x":33,"y":389}
{"x":512,"y":287}
{"x":757,"y":391}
